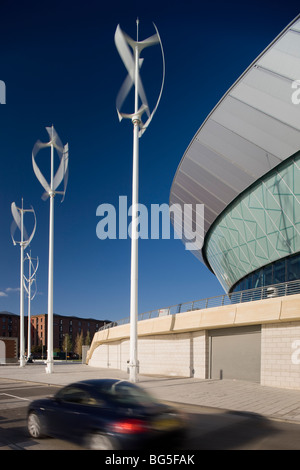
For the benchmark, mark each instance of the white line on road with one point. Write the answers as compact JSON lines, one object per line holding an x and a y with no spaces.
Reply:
{"x":14,"y":396}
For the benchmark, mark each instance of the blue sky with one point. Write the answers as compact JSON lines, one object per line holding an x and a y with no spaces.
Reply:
{"x":60,"y":66}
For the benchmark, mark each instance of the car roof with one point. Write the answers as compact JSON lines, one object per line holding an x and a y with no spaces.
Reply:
{"x":91,"y":382}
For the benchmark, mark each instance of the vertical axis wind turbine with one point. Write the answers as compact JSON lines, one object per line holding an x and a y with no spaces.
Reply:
{"x":51,"y":191}
{"x":18,"y":216}
{"x":29,"y":281}
{"x":133,"y":63}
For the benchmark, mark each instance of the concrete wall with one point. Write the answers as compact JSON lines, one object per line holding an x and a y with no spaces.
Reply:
{"x":8,"y":350}
{"x":177,"y":345}
{"x":171,"y":355}
{"x":280,"y":355}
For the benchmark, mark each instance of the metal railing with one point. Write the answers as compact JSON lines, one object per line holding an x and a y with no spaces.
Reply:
{"x":258,"y":293}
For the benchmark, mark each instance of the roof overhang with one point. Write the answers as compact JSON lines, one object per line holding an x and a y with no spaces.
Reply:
{"x":254,"y":127}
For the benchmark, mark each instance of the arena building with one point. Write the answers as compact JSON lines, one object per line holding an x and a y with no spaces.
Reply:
{"x":243,"y":165}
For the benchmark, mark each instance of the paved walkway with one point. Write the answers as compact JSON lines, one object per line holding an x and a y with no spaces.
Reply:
{"x":229,"y":395}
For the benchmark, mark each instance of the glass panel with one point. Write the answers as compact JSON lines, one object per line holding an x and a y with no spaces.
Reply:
{"x":279,"y":272}
{"x":248,"y":284}
{"x":268,"y":278}
{"x":255,"y":279}
{"x":260,"y":281}
{"x":293,"y":268}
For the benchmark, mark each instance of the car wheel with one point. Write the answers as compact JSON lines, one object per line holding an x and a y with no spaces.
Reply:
{"x":34,"y":425}
{"x":99,"y":441}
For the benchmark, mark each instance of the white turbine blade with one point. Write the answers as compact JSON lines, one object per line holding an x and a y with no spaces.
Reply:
{"x":24,"y":284}
{"x":45,"y":196}
{"x":151,"y":41}
{"x":124,"y":115}
{"x":25,"y":234}
{"x":35,"y":290}
{"x":143,"y":129}
{"x":121,"y":40}
{"x":62,"y":172}
{"x":139,"y":113}
{"x":17,"y":222}
{"x":55,"y":141}
{"x":124,"y":90}
{"x":34,"y":268}
{"x":59,"y":175}
{"x":63,"y":153}
{"x":54,"y":137}
{"x":143,"y":95}
{"x":13,"y":228}
{"x":66,"y":175}
{"x":129,"y":40}
{"x":28,"y":240}
{"x":16,"y":215}
{"x":37,"y":147}
{"x":122,"y":96}
{"x":124,"y":51}
{"x":12,"y":231}
{"x":128,"y":61}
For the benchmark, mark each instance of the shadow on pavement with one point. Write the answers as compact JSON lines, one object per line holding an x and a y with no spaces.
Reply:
{"x":234,"y":431}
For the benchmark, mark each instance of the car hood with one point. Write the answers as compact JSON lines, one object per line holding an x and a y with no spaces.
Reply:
{"x":39,"y":402}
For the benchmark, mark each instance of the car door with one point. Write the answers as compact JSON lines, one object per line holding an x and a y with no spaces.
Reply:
{"x":72,"y":413}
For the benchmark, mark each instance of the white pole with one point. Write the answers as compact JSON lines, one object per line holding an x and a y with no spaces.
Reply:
{"x":49,"y":368}
{"x":133,"y":364}
{"x":22,"y":336}
{"x":29,"y":311}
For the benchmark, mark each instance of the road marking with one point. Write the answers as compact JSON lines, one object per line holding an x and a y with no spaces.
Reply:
{"x":14,"y":396}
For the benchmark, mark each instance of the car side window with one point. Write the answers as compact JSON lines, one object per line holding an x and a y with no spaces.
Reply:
{"x":75,"y":395}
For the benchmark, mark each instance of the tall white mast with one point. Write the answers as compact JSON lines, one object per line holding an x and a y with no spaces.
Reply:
{"x":51,"y":191}
{"x":133,"y":362}
{"x":133,"y":63}
{"x":49,"y":368}
{"x":29,"y":281}
{"x":18,"y":216}
{"x":22,"y":333}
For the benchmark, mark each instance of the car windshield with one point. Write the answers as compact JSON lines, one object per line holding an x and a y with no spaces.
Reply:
{"x":126,"y":393}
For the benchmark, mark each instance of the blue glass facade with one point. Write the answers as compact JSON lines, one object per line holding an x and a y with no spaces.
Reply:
{"x":253,"y":241}
{"x":283,"y":270}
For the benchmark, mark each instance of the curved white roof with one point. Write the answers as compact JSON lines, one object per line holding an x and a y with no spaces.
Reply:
{"x":252,"y":129}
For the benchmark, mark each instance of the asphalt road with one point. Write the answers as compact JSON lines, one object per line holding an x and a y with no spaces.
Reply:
{"x":209,"y":429}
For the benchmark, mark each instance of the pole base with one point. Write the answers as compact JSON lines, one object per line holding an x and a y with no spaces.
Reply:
{"x":22,"y":362}
{"x":49,"y":367}
{"x":133,"y":373}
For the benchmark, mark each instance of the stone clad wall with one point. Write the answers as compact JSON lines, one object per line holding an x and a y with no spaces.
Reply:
{"x":171,"y":355}
{"x":178,"y":345}
{"x":280,"y":355}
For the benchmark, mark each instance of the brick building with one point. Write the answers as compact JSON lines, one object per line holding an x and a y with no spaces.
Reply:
{"x":10,"y":325}
{"x":62,"y":326}
{"x":8,"y":350}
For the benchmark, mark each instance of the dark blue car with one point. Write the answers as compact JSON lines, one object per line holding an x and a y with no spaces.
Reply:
{"x":105,"y":414}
